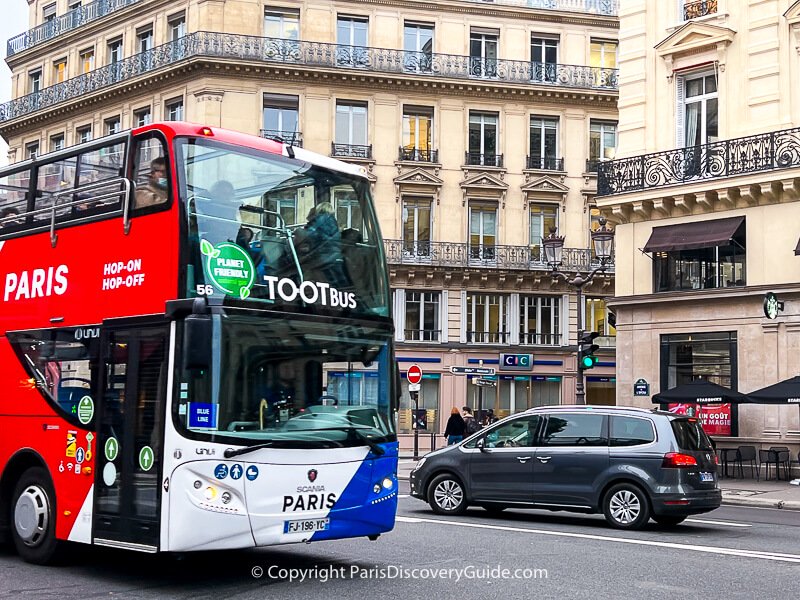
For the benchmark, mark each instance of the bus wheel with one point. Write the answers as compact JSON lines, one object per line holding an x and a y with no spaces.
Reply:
{"x":32,"y":517}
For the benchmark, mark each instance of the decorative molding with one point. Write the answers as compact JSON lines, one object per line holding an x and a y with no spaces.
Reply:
{"x":544,"y":186}
{"x":207,"y":95}
{"x":420,"y":182}
{"x":694,"y":38}
{"x":483,"y":185}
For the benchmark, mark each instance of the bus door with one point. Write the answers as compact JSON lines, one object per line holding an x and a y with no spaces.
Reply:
{"x":130,"y":437}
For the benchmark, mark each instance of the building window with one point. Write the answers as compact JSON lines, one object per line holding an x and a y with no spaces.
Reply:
{"x":544,"y":58}
{"x":142,"y":117}
{"x":73,"y":4}
{"x":57,"y":142}
{"x":595,"y":318}
{"x":483,"y":52}
{"x":483,"y":140}
{"x":60,"y":70}
{"x":418,"y":47}
{"x":539,"y":320}
{"x":422,"y":316}
{"x":417,"y":134}
{"x":144,"y":39}
{"x":177,"y":27}
{"x":709,"y":267}
{"x":486,"y":318}
{"x":348,"y":209}
{"x":351,"y":125}
{"x":113,"y":125}
{"x":31,"y":150}
{"x":84,"y":134}
{"x":87,"y":60}
{"x":351,"y":37}
{"x":482,"y":231}
{"x":691,"y":9}
{"x":543,"y":219}
{"x":49,"y":13}
{"x":417,"y":226}
{"x":281,"y":116}
{"x":544,"y":144}
{"x":428,"y":407}
{"x":697,"y":111}
{"x":35,"y":81}
{"x":173,"y":110}
{"x":603,"y":54}
{"x":114,"y":51}
{"x":602,"y":142}
{"x":282,"y":24}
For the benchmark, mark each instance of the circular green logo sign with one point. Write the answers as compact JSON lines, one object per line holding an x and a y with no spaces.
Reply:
{"x":146,"y":458}
{"x":111,"y":449}
{"x":85,"y":410}
{"x":229,"y":268}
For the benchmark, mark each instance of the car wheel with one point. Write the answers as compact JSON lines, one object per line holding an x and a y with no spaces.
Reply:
{"x":493,"y":509}
{"x":33,"y":524}
{"x":626,"y":507}
{"x":446,"y":495}
{"x":668,"y":520}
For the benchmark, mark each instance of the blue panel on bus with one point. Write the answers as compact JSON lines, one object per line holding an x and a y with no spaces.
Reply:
{"x":202,"y":415}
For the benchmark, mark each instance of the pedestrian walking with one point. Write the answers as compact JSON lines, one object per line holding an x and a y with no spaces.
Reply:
{"x":471,"y":424}
{"x":454,"y":432}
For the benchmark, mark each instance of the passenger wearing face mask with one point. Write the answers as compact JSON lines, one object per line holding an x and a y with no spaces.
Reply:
{"x":155,"y":190}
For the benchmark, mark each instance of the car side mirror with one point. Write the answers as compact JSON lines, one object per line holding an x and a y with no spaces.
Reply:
{"x":481,"y":445}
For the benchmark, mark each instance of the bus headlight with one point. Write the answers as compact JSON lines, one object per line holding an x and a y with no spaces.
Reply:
{"x":387,"y":483}
{"x":211,"y":493}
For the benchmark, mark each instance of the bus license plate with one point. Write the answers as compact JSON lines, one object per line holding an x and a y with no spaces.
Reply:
{"x":706,"y":477}
{"x":306,"y":526}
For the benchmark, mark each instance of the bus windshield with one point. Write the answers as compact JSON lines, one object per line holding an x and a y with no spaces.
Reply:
{"x":293,"y":383}
{"x":280,"y":230}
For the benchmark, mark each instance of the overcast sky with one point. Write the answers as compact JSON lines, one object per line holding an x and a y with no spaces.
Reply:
{"x":13,"y":21}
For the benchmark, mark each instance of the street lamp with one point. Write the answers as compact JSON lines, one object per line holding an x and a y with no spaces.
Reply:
{"x":603,"y":243}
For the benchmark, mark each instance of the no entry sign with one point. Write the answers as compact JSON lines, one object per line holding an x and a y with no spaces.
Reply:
{"x":414,"y":374}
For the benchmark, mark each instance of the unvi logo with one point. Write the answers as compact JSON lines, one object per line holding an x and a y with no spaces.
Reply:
{"x":229,"y":268}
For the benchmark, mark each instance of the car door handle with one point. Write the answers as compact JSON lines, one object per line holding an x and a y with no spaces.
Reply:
{"x":523,"y":458}
{"x":544,"y":459}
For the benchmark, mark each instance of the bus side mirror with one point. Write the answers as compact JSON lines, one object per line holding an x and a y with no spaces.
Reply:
{"x":197,"y":340}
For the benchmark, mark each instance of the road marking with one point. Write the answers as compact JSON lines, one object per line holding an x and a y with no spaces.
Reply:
{"x":726,"y":523}
{"x":404,"y":495}
{"x":791,"y":558}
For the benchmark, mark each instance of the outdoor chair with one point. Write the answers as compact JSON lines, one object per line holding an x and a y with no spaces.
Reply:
{"x":747,"y":454}
{"x":770,"y":457}
{"x":784,"y":459}
{"x":728,"y":456}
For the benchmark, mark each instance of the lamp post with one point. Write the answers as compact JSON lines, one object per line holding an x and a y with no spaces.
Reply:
{"x":603,"y":243}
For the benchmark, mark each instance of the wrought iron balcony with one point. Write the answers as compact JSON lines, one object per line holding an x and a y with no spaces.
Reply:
{"x":545,"y":163}
{"x":317,"y":55}
{"x":591,"y":165}
{"x":351,"y":151}
{"x":62,"y":24}
{"x":716,"y":160}
{"x":597,"y":7}
{"x":422,"y":335}
{"x":692,"y":10}
{"x":418,"y":155}
{"x":487,"y":337}
{"x":461,"y":254}
{"x":483,"y":160}
{"x":540,"y":339}
{"x":293,"y":138}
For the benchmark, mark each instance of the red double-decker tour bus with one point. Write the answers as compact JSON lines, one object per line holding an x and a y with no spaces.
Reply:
{"x":195,"y":346}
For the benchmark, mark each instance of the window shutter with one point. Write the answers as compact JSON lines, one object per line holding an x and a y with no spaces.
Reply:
{"x":681,"y":4}
{"x":463,"y":333}
{"x":513,"y":319}
{"x":680,"y":111}
{"x":400,"y":315}
{"x":443,"y":323}
{"x":564,"y":314}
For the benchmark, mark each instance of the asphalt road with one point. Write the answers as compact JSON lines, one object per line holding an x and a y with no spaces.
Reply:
{"x":734,"y":552}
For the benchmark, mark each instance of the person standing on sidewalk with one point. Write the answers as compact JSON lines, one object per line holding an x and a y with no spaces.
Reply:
{"x":471,"y":424}
{"x":454,"y":432}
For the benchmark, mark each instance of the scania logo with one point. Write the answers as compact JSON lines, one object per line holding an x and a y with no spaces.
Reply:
{"x":312,"y":475}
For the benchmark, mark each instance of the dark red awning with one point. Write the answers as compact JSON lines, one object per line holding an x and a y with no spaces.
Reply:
{"x":690,"y":236}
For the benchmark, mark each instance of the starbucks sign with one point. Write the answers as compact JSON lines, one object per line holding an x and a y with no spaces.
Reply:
{"x":228,"y":267}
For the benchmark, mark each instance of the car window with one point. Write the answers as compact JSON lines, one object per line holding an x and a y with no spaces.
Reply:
{"x":631,"y":431}
{"x":690,"y":435}
{"x":512,"y":434}
{"x":574,"y":430}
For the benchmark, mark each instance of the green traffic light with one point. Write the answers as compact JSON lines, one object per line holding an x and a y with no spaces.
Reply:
{"x":587,"y":362}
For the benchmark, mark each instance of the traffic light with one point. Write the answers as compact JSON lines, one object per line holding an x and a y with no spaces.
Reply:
{"x":586,"y":350}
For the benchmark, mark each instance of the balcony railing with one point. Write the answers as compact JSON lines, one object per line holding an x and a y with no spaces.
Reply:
{"x":62,"y":24}
{"x":540,"y":339}
{"x":483,"y":160}
{"x":317,"y":55}
{"x":545,"y":163}
{"x":487,"y":337}
{"x":418,"y":155}
{"x":591,"y":165}
{"x":293,"y":138}
{"x":597,"y":7}
{"x":692,"y":10}
{"x":351,"y":151}
{"x":727,"y":158}
{"x":423,"y":335}
{"x":461,"y":254}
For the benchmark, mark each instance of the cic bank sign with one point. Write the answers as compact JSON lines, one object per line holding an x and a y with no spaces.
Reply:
{"x":516,"y":362}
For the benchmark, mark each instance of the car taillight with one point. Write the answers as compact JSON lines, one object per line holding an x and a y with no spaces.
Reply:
{"x":716,"y":460}
{"x":676,"y":460}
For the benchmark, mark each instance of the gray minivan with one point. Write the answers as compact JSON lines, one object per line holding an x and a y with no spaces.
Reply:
{"x":630,"y":464}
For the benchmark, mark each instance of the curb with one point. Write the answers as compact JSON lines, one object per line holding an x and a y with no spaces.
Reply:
{"x":762,"y":503}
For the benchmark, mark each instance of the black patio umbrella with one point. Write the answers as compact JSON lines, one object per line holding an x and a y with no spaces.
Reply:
{"x":783,"y":392}
{"x":700,"y":392}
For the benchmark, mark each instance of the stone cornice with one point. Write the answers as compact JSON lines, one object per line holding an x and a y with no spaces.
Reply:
{"x":751,"y":292}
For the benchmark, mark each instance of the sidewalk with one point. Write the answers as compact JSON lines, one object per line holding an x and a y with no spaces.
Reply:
{"x":742,"y":492}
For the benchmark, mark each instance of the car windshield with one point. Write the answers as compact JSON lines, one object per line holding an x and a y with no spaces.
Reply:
{"x":290,"y":383}
{"x":690,"y":435}
{"x":281,"y":231}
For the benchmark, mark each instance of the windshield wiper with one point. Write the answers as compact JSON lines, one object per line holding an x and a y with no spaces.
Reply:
{"x":230,"y":452}
{"x":374,"y":446}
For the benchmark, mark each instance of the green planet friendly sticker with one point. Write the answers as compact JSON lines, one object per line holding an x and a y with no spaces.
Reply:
{"x":229,"y":268}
